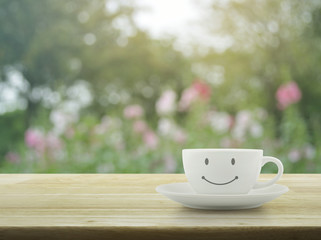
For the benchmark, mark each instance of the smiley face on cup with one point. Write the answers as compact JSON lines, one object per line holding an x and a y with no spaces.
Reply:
{"x":226,"y":171}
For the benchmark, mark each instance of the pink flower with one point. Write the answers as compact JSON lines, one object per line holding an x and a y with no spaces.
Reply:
{"x":12,"y":157}
{"x":133,"y":111}
{"x":150,"y":139}
{"x":244,"y":118}
{"x":42,"y":143}
{"x":53,"y":142}
{"x":166,"y":102}
{"x":198,"y":90}
{"x":189,"y":95}
{"x":179,"y":136}
{"x":288,"y":94}
{"x":140,"y":126}
{"x":203,"y":89}
{"x":294,"y":155}
{"x":35,"y":139}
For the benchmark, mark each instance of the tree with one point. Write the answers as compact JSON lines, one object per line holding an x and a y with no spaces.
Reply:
{"x":273,"y":42}
{"x":55,"y":43}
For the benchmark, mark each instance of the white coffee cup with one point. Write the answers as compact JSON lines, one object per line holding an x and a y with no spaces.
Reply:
{"x":226,"y":171}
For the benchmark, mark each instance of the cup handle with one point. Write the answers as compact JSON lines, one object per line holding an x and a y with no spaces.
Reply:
{"x":273,"y":180}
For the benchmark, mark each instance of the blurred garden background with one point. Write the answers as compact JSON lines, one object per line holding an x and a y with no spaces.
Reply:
{"x":97,"y":86}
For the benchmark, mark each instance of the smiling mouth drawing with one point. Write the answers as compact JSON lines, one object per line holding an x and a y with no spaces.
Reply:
{"x":236,"y":177}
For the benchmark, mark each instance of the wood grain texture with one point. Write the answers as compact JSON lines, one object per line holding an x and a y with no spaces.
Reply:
{"x":107,"y":206}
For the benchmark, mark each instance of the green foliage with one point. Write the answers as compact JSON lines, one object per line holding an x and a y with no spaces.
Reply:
{"x":57,"y":44}
{"x":12,"y":131}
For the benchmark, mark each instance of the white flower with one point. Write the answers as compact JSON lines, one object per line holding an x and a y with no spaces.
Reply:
{"x":80,"y":93}
{"x":238,"y":133}
{"x":220,"y":121}
{"x":243,"y":123}
{"x":244,"y":118}
{"x":165,"y":126}
{"x":256,"y":130}
{"x":166,"y":103}
{"x":62,"y":119}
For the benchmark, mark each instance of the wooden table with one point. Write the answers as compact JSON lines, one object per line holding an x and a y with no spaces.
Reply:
{"x":126,"y":206}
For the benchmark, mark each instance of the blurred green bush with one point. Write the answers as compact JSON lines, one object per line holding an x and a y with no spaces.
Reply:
{"x":83,"y":89}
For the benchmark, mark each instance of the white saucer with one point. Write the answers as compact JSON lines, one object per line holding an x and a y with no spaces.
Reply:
{"x":184,"y":194}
